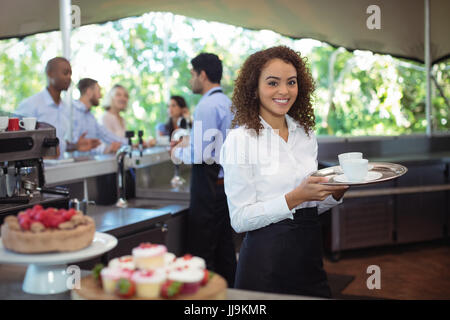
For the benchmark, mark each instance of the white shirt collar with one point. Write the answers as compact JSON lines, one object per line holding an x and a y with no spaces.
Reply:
{"x":291,"y":123}
{"x":80,"y":106}
{"x":49,"y":100}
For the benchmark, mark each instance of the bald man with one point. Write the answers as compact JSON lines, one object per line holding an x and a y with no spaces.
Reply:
{"x":48,"y":107}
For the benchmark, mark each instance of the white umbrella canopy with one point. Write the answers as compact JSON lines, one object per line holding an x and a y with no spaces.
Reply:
{"x":340,"y":23}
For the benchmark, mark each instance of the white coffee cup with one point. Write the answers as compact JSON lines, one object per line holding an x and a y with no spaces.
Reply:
{"x":28,"y":123}
{"x":163,"y":140}
{"x":355,"y":169}
{"x":349,"y":155}
{"x":3,"y":123}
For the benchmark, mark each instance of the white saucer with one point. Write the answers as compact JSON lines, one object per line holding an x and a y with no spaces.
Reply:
{"x":371,"y":175}
{"x":338,"y":169}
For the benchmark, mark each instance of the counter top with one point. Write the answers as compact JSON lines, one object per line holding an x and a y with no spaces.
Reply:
{"x":83,"y":166}
{"x":140,"y":215}
{"x":11,"y":278}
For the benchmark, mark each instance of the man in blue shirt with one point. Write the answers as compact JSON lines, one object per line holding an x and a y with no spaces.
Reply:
{"x":84,"y":122}
{"x":209,"y":229}
{"x":47,"y":106}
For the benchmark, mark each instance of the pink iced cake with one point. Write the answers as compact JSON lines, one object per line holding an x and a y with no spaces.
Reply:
{"x":189,"y":261}
{"x":190,"y":277}
{"x":169,"y":259}
{"x":149,"y":256}
{"x":111,"y":275}
{"x":148,"y":282}
{"x":125,"y":262}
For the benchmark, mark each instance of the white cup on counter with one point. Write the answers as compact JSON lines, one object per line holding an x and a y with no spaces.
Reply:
{"x":355,"y":169}
{"x":28,"y":123}
{"x":163,"y":140}
{"x":3,"y":123}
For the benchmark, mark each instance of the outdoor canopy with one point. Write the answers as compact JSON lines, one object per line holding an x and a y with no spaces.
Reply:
{"x":340,"y":23}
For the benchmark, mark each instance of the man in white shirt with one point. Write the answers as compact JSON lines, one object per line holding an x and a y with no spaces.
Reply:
{"x":47,"y":106}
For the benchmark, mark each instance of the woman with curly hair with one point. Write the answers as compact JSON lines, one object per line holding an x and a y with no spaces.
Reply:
{"x":267,"y":162}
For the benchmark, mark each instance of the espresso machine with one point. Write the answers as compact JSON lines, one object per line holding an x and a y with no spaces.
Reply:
{"x":22,"y":179}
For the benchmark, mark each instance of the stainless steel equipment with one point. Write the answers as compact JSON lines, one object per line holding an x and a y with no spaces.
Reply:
{"x":22,"y":180}
{"x":120,"y":157}
{"x":80,"y":205}
{"x":121,"y":167}
{"x":177,"y":181}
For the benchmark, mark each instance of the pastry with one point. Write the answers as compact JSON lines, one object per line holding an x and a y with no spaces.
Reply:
{"x":110,"y":276}
{"x":189,"y":261}
{"x":149,"y":256}
{"x":190,"y":277}
{"x":125,"y":262}
{"x":178,"y":278}
{"x":39,"y":230}
{"x":169,"y":259}
{"x":148,"y":282}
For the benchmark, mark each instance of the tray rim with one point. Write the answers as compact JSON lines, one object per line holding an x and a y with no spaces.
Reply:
{"x":388,"y":164}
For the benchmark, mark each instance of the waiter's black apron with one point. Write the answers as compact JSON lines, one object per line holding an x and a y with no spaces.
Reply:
{"x":209,"y":228}
{"x":285,"y":257}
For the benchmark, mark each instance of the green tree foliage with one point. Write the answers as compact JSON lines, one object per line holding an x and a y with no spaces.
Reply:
{"x":21,"y":72}
{"x":369,"y":94}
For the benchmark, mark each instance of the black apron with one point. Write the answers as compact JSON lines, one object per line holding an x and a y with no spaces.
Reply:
{"x":209,"y":228}
{"x":285,"y":257}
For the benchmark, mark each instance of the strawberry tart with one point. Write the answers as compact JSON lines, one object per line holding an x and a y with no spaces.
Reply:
{"x":39,"y":230}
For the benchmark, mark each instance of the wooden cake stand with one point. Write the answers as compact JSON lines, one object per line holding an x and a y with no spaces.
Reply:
{"x":215,"y":289}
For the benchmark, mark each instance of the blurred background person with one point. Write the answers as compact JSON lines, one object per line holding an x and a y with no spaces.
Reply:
{"x":47,"y":106}
{"x":84,"y":121}
{"x":116,"y":102}
{"x":179,"y":117}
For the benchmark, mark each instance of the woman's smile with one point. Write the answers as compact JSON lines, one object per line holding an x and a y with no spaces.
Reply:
{"x":277,"y":88}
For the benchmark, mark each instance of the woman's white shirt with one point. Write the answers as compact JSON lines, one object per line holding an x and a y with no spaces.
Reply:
{"x":260,"y":170}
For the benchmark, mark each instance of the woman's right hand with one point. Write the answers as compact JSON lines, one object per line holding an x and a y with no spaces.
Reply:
{"x":311,"y":190}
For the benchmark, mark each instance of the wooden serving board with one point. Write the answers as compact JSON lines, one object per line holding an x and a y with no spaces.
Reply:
{"x":215,"y":289}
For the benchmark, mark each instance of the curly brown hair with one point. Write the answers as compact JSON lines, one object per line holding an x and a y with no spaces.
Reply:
{"x":246,"y":104}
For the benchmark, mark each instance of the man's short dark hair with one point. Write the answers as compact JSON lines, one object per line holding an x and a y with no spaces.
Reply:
{"x":51,"y":64}
{"x":211,"y":64}
{"x":85,"y":83}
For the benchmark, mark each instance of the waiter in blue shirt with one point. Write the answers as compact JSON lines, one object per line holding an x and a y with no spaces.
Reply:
{"x":209,"y":229}
{"x":84,"y":122}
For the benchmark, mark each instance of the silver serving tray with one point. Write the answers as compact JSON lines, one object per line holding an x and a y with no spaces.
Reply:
{"x":388,"y":172}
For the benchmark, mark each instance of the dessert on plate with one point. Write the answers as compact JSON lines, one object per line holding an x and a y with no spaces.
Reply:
{"x":153,"y":273}
{"x":149,"y":256}
{"x":39,"y":230}
{"x":148,"y":282}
